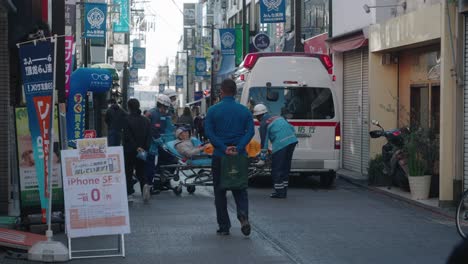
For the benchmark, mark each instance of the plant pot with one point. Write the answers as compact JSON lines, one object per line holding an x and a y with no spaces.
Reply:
{"x":420,"y":186}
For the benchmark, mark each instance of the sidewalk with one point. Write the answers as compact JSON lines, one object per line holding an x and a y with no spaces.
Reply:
{"x":173,"y":229}
{"x":431,"y":204}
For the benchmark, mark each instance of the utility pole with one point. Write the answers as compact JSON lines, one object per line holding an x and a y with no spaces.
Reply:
{"x":298,"y":46}
{"x":244,"y":29}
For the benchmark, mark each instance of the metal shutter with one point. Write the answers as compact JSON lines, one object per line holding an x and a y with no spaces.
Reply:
{"x":352,"y":80}
{"x":365,"y":111}
{"x":465,"y":151}
{"x":4,"y":117}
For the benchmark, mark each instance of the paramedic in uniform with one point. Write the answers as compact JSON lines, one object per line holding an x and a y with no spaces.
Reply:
{"x":229,"y":126}
{"x":283,"y":140}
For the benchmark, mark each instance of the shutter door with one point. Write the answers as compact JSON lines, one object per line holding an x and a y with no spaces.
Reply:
{"x":365,"y":111}
{"x":4,"y":117}
{"x":352,"y":132}
{"x":465,"y":151}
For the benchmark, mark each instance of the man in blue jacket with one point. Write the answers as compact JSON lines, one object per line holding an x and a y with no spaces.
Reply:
{"x":229,"y":127}
{"x":283,"y":140}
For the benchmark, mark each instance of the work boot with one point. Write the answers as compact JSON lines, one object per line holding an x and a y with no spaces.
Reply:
{"x":279,"y":193}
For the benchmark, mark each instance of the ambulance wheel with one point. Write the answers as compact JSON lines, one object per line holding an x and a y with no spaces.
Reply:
{"x":178,"y":190}
{"x":327,"y":180}
{"x":191,"y":189}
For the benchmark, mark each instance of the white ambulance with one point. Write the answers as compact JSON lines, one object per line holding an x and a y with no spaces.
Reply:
{"x":299,"y":87}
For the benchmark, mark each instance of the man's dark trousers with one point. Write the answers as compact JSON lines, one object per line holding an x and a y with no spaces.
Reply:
{"x":281,"y":166}
{"x":240,"y":196}
{"x":114,"y":137}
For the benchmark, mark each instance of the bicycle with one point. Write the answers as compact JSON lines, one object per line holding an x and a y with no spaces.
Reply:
{"x":462,"y":216}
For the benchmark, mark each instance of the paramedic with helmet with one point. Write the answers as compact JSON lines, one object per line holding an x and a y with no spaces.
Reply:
{"x":160,"y":125}
{"x":283,"y":140}
{"x":172,"y":94}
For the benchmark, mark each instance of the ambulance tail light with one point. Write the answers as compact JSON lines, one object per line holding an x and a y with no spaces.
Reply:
{"x":250,"y":60}
{"x":327,"y":62}
{"x":338,"y":136}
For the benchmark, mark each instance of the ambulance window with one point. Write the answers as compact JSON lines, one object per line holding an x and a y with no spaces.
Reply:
{"x":295,"y":102}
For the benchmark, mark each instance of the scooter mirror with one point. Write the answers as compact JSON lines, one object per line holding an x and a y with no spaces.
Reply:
{"x":375,"y":122}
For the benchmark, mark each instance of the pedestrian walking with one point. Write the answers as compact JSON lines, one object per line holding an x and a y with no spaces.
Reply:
{"x":229,"y":127}
{"x":186,"y":118}
{"x":137,"y":139}
{"x":115,"y":120}
{"x":199,"y":124}
{"x":283,"y":139}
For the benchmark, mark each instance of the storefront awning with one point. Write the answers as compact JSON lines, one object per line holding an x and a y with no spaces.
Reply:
{"x":347,"y":42}
{"x":228,"y":67}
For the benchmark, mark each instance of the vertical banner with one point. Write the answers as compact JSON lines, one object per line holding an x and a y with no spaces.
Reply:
{"x":162,"y":87}
{"x":228,"y":41}
{"x":239,"y":57}
{"x":134,"y":75}
{"x":29,"y":187}
{"x":70,"y":17}
{"x":123,"y":24}
{"x":68,"y":62}
{"x":200,"y":66}
{"x":95,"y":190}
{"x":272,"y":11}
{"x":179,"y":81}
{"x":95,"y":20}
{"x":189,"y":38}
{"x":189,"y":14}
{"x":37,"y":62}
{"x":139,"y":58}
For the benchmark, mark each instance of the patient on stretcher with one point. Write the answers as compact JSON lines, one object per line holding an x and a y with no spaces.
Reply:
{"x":185,"y":146}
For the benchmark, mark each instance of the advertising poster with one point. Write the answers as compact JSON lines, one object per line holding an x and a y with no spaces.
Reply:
{"x":29,"y":187}
{"x":95,"y":189}
{"x":124,"y":16}
{"x":200,"y":66}
{"x":272,"y":11}
{"x":133,"y":75}
{"x":139,"y":58}
{"x":228,"y":41}
{"x":189,"y":38}
{"x":179,"y":81}
{"x":95,"y":20}
{"x":189,"y":14}
{"x":68,"y":62}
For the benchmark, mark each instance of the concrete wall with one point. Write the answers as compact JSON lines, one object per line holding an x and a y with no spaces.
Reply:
{"x":349,"y":16}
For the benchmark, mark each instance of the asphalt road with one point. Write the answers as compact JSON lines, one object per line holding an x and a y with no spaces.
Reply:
{"x":346,"y":224}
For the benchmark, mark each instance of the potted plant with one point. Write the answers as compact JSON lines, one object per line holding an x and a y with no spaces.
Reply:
{"x":419,"y":181}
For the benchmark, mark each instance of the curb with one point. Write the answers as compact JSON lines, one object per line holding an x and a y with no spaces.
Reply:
{"x":364,"y":184}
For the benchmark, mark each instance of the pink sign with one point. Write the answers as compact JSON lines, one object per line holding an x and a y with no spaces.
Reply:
{"x":68,"y":62}
{"x":316,"y":44}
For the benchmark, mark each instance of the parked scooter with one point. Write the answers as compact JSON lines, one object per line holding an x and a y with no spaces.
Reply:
{"x":393,"y":156}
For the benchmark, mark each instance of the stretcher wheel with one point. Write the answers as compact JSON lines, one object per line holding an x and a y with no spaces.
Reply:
{"x":178,"y":190}
{"x":176,"y":177}
{"x":191,"y":189}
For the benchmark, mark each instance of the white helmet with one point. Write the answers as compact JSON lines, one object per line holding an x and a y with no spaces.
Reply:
{"x":260,"y":109}
{"x":170,"y":93}
{"x":164,"y":100}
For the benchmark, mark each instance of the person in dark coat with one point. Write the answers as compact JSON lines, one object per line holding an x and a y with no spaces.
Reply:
{"x":137,"y":140}
{"x":115,"y":120}
{"x":186,"y":118}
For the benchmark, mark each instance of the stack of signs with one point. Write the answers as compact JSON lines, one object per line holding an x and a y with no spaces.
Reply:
{"x":95,"y":189}
{"x":200,"y":66}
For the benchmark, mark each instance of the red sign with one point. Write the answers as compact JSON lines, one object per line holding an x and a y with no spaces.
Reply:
{"x":90,"y":133}
{"x":316,"y":44}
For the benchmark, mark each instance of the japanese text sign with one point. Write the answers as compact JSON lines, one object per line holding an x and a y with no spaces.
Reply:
{"x":272,"y":11}
{"x":139,"y":58}
{"x":228,"y":41}
{"x":123,"y":23}
{"x":200,"y":66}
{"x":95,"y":20}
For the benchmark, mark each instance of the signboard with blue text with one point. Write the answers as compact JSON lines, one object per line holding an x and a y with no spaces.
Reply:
{"x":228,"y":41}
{"x":179,"y":81}
{"x":95,"y":20}
{"x":123,"y":23}
{"x":139,"y":58}
{"x":200,"y":66}
{"x":272,"y":11}
{"x":133,"y":75}
{"x":37,"y":72}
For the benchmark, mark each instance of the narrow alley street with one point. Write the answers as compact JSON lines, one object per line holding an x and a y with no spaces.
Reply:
{"x":347,"y":224}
